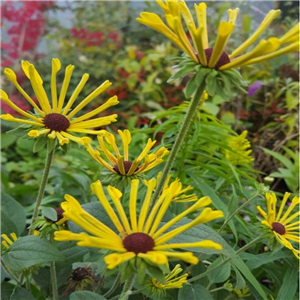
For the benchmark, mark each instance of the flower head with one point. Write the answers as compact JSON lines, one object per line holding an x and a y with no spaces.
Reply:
{"x":155,"y":288}
{"x":240,"y":145}
{"x":177,"y":13}
{"x":254,"y":87}
{"x":179,"y":193}
{"x":57,"y":120}
{"x":138,"y":236}
{"x":281,"y":224}
{"x":121,"y":163}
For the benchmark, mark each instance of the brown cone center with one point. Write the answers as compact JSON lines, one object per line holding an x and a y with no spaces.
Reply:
{"x":223,"y":60}
{"x":278,"y":227}
{"x":127,"y":164}
{"x":56,"y":122}
{"x":138,"y":243}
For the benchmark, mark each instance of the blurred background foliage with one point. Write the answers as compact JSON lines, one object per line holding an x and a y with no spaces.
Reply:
{"x":104,"y":40}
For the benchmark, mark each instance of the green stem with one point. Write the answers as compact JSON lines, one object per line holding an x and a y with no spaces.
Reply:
{"x":132,"y":293}
{"x":217,"y":289}
{"x":114,"y":286}
{"x":127,"y":288}
{"x":40,"y":195}
{"x":53,"y":281}
{"x":12,"y":276}
{"x":192,"y":109}
{"x":236,"y":211}
{"x":227,"y":259}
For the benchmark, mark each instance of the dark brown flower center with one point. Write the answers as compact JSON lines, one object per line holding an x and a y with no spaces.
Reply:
{"x":56,"y":122}
{"x":223,"y":60}
{"x":278,"y":227}
{"x":138,"y":243}
{"x":127,"y":164}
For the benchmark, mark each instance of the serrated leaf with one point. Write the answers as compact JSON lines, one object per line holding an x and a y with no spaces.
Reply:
{"x":84,"y":295}
{"x":28,"y":251}
{"x":12,"y":215}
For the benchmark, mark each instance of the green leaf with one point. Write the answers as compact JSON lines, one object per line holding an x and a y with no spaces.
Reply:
{"x":49,"y":213}
{"x":28,"y":251}
{"x":40,"y":144}
{"x":242,"y":267}
{"x":211,"y":82}
{"x":289,"y":285}
{"x":221,"y":274}
{"x":259,"y":260}
{"x":12,"y":215}
{"x":7,"y":140}
{"x":182,"y":72}
{"x":6,"y":290}
{"x":285,"y":161}
{"x":84,"y":295}
{"x":21,"y":293}
{"x":157,"y":273}
{"x":201,"y":74}
{"x":194,"y":292}
{"x":240,"y":281}
{"x":190,"y":88}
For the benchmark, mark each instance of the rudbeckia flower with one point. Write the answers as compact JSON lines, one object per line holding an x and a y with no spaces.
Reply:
{"x":57,"y":120}
{"x":281,"y":223}
{"x":141,"y":236}
{"x":177,"y":13}
{"x":240,"y":145}
{"x":121,"y":163}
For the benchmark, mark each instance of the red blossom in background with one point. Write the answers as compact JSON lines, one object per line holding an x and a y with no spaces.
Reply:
{"x":23,"y":23}
{"x":96,"y":38}
{"x":15,"y":98}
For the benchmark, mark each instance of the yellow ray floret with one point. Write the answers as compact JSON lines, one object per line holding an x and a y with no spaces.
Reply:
{"x":56,"y":119}
{"x":196,"y":46}
{"x":117,"y":161}
{"x":282,"y":224}
{"x":136,"y":235}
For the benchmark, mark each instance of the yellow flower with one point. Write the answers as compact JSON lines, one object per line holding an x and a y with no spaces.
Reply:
{"x":281,"y":225}
{"x":176,"y":13}
{"x":172,"y":282}
{"x":244,"y":292}
{"x":179,"y":195}
{"x":8,"y":241}
{"x":240,"y":145}
{"x":138,"y":237}
{"x":121,"y":164}
{"x":57,"y":121}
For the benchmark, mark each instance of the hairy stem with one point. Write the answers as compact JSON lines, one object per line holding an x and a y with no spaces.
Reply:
{"x":10,"y":273}
{"x":53,"y":281}
{"x":185,"y":125}
{"x":127,"y":288}
{"x":40,"y":195}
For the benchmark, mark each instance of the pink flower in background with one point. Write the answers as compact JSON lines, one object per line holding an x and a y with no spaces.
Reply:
{"x":253,"y":88}
{"x":19,"y":102}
